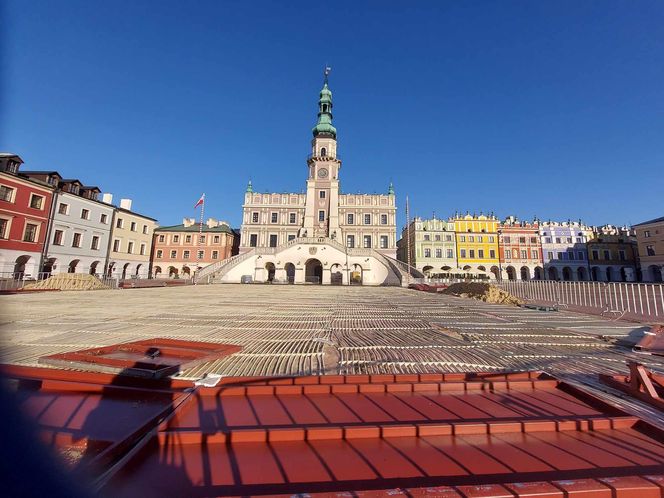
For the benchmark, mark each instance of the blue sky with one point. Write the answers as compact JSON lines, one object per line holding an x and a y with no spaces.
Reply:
{"x":545,"y":108}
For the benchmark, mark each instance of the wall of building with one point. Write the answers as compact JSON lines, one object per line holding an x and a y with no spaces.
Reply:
{"x":650,"y":241}
{"x":520,"y":250}
{"x":477,"y":242}
{"x":131,"y":245}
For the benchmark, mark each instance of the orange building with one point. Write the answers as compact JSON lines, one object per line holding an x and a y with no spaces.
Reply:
{"x":520,"y":250}
{"x":178,"y":252}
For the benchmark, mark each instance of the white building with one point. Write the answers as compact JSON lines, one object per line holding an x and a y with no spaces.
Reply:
{"x":321,"y":236}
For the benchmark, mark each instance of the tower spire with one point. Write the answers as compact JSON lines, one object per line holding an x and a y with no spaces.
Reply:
{"x":324,"y":126}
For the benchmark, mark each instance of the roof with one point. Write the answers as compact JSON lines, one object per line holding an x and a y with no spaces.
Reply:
{"x":656,"y":220}
{"x":129,"y":211}
{"x":195,"y":228}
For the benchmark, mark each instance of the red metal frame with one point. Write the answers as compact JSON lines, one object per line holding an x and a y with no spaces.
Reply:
{"x":132,"y":358}
{"x":641,"y":383}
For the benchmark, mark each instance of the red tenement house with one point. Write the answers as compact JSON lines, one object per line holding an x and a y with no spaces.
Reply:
{"x":25,"y":209}
{"x":520,"y":249}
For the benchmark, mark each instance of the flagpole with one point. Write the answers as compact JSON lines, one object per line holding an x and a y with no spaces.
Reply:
{"x":200,"y":232}
{"x":408,"y":239}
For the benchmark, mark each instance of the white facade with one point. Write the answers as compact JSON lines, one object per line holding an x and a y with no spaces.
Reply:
{"x":78,"y":236}
{"x":320,"y":235}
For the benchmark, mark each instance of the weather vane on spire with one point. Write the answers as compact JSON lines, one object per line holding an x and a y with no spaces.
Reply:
{"x":326,"y":72}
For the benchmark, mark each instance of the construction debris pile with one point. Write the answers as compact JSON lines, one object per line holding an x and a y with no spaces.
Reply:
{"x":69,"y":281}
{"x":484,"y":292}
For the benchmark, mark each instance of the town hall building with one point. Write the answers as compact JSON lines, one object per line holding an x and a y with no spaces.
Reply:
{"x":318,"y":236}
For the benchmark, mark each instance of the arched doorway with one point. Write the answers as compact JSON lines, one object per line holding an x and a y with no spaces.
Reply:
{"x":270,"y":270}
{"x":93,"y":268}
{"x":72,"y":266}
{"x":511,"y":273}
{"x":609,"y":274}
{"x":525,"y":273}
{"x":655,"y":273}
{"x":290,"y":272}
{"x":466,"y":268}
{"x":539,"y":273}
{"x":623,"y":274}
{"x":427,"y":269}
{"x":567,"y":274}
{"x":481,"y":268}
{"x":594,"y":272}
{"x":157,"y":271}
{"x":186,"y":270}
{"x":110,"y":270}
{"x":496,"y":272}
{"x":336,"y":276}
{"x":124,"y":270}
{"x":356,"y":275}
{"x":138,"y":269}
{"x":19,"y":266}
{"x":49,"y":266}
{"x":581,"y":274}
{"x":313,"y":272}
{"x":553,"y":273}
{"x":173,"y":272}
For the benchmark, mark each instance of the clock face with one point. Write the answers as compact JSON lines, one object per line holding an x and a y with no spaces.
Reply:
{"x":322,"y":173}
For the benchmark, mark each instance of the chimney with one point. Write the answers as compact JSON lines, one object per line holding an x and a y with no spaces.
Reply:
{"x":187,"y":222}
{"x":211,"y":223}
{"x":107,"y":198}
{"x":125,"y":204}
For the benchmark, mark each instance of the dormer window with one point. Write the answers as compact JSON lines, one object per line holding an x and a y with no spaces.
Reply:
{"x":12,"y":167}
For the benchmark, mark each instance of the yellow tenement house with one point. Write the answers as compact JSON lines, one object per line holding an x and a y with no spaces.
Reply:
{"x":477,"y":244}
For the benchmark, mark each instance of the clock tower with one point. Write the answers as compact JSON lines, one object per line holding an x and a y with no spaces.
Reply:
{"x":322,"y":204}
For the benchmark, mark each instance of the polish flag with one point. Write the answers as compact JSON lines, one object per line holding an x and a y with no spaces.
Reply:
{"x":200,"y":201}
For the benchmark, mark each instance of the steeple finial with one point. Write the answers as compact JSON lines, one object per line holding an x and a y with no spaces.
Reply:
{"x":250,"y":188}
{"x":390,"y":189}
{"x":326,"y":73}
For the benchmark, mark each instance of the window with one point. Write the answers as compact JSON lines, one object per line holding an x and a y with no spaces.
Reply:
{"x":174,"y":254}
{"x":450,"y":253}
{"x":621,"y":255}
{"x":582,"y":255}
{"x":367,"y":241}
{"x":201,"y":254}
{"x":95,"y":243}
{"x":162,"y":238}
{"x":646,"y":233}
{"x":291,"y":218}
{"x":350,"y":240}
{"x":579,"y":240}
{"x":145,"y":229}
{"x":492,"y":253}
{"x":557,"y":240}
{"x":273,"y":240}
{"x":176,"y":239}
{"x":437,"y":238}
{"x":533,"y":240}
{"x":116,"y":245}
{"x":63,"y":208}
{"x":6,"y":193}
{"x":215,"y":239}
{"x":187,"y":239}
{"x":36,"y":201}
{"x":448,"y":238}
{"x":119,"y":223}
{"x":561,"y":256}
{"x":508,"y":254}
{"x":506,"y":239}
{"x":132,"y":226}
{"x":321,"y":194}
{"x":4,"y":228}
{"x":462,"y":238}
{"x":321,"y":215}
{"x":130,"y":248}
{"x":462,"y":253}
{"x":274,"y":217}
{"x":471,"y":253}
{"x":85,"y":214}
{"x":524,"y":254}
{"x":522,"y":240}
{"x":595,"y":254}
{"x":215,"y":254}
{"x":202,"y":239}
{"x":471,"y":238}
{"x":607,"y":254}
{"x":186,"y":254}
{"x":142,"y":250}
{"x":76,"y":242}
{"x":383,"y":219}
{"x":160,"y":253}
{"x":480,"y":253}
{"x":439,"y":253}
{"x":383,"y":241}
{"x":427,"y":253}
{"x":367,"y":219}
{"x":650,"y":250}
{"x":549,"y":254}
{"x":351,"y":219}
{"x":254,"y":217}
{"x":58,"y":235}
{"x":570,"y":255}
{"x":569,"y":240}
{"x":547,"y":240}
{"x":291,"y":237}
{"x":427,"y":237}
{"x":534,"y":254}
{"x":253,"y":240}
{"x":103,"y":218}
